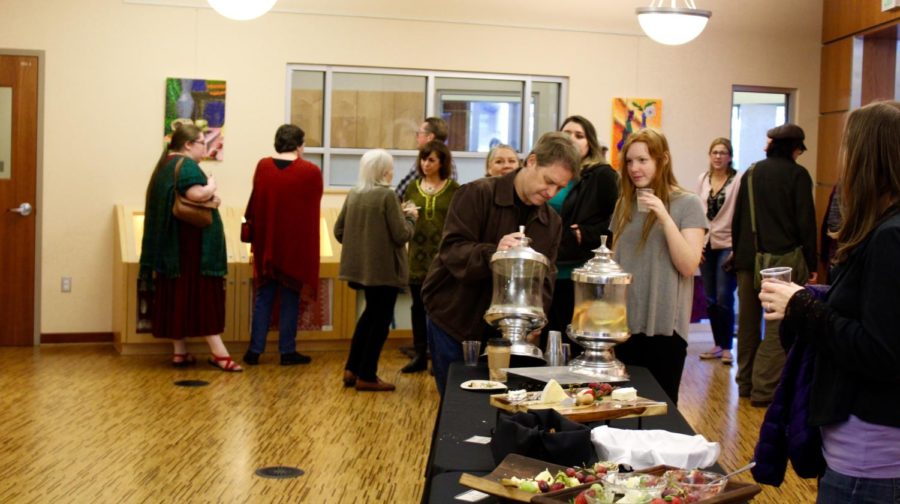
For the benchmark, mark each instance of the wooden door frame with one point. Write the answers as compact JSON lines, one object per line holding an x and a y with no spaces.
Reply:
{"x":39,"y":182}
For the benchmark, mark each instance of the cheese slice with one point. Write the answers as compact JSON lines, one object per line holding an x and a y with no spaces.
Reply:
{"x":553,"y":392}
{"x":624,"y":394}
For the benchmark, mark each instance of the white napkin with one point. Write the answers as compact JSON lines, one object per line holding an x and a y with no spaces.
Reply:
{"x":647,"y":448}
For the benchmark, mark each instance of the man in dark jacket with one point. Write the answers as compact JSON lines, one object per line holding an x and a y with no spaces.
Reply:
{"x":484,"y":217}
{"x":785,"y":221}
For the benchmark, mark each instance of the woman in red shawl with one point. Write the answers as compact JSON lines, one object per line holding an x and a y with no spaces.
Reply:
{"x":283,"y":213}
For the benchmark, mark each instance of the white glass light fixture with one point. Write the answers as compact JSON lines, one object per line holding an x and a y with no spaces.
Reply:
{"x":672,"y":25}
{"x":241,"y":10}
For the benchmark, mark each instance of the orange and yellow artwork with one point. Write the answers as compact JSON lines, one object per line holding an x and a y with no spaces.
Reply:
{"x":630,"y":115}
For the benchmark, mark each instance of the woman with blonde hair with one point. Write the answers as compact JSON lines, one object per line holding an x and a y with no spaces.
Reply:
{"x":501,"y":160}
{"x":658,"y":232}
{"x":373,"y":230}
{"x":853,"y":334}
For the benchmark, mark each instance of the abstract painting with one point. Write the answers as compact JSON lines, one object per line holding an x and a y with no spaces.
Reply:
{"x":202,"y":103}
{"x":630,"y":115}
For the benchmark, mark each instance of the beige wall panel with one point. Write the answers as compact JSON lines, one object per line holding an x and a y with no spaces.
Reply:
{"x":411,"y":107}
{"x":837,"y":64}
{"x":344,"y":127}
{"x":831,"y":127}
{"x":841,"y":18}
{"x":307,"y":107}
{"x":372,"y":118}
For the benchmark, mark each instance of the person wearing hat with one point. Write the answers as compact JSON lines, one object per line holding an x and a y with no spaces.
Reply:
{"x":785,"y":225}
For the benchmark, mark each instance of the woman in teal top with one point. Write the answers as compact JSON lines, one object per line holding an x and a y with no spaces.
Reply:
{"x":586,"y":206}
{"x":431,"y":193}
{"x":185,"y":265}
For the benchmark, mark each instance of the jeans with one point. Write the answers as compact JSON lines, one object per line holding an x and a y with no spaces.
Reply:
{"x":371,"y":331}
{"x":444,"y":351}
{"x":836,"y":488}
{"x":718,"y":288}
{"x":287,"y":319}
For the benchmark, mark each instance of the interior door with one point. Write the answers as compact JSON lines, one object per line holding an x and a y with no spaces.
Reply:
{"x":18,"y":183}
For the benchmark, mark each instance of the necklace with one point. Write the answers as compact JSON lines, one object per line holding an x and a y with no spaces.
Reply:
{"x":430,"y":193}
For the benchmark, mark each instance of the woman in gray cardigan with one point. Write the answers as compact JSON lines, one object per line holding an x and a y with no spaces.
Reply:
{"x":373,"y":230}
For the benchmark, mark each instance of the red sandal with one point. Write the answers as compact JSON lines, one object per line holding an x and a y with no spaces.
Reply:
{"x":185,"y":360}
{"x":225,"y":364}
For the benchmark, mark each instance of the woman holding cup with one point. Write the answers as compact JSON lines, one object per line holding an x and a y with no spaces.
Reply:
{"x":852,"y":333}
{"x":661,"y":247}
{"x":430,"y":194}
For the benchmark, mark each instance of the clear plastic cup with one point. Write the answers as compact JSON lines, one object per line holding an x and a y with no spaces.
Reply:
{"x":780,"y":274}
{"x":470,"y":352}
{"x":640,"y":206}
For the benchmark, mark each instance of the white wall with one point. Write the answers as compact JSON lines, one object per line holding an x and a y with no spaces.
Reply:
{"x":106,"y":64}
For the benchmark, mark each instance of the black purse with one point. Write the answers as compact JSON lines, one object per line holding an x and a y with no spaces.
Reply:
{"x":544,"y":435}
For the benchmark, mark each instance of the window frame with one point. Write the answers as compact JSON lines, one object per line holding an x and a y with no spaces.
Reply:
{"x":326,"y":151}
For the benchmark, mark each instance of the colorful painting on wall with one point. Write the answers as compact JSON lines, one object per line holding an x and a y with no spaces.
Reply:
{"x":629,"y":115}
{"x":201,"y":102}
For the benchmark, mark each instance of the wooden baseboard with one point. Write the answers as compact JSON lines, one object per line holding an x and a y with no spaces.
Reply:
{"x":93,"y":337}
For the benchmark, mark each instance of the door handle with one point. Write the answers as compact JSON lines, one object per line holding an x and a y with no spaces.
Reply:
{"x":24,"y":209}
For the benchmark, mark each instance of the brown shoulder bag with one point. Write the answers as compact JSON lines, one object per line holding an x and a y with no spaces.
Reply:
{"x":197,"y":214}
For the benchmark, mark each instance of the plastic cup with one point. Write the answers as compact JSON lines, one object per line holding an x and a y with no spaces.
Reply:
{"x":566,"y":353}
{"x":470,"y":352}
{"x":640,"y":206}
{"x":780,"y":274}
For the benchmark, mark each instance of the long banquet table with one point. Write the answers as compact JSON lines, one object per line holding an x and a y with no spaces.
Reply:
{"x":464,"y":414}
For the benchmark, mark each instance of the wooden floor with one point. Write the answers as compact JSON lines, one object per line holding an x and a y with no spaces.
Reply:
{"x":82,"y":424}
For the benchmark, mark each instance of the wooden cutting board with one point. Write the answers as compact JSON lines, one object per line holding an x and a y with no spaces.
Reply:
{"x":513,"y":465}
{"x":598,"y":411}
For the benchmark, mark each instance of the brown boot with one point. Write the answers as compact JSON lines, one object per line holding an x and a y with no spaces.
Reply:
{"x":375,"y":386}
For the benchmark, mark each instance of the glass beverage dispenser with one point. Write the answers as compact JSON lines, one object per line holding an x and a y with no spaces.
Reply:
{"x":517,"y":306}
{"x":600,"y":320}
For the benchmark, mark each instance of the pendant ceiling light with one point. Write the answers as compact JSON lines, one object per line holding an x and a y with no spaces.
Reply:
{"x":672,"y":25}
{"x":241,"y":10}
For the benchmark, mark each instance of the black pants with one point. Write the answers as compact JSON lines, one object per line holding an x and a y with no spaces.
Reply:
{"x":417,"y":314}
{"x":663,"y":356}
{"x":371,"y":332}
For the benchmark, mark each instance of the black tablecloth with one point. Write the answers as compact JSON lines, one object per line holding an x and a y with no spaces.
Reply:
{"x":465,"y":414}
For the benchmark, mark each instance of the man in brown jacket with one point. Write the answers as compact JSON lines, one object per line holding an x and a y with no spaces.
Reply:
{"x":484,"y":217}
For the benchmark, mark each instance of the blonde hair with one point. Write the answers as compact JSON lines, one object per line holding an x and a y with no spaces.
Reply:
{"x":664,"y":184}
{"x":493,"y":154}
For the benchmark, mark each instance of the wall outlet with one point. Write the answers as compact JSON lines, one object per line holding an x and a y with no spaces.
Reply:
{"x":66,"y":284}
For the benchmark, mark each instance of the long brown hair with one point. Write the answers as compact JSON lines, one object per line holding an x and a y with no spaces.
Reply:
{"x":871,"y":172}
{"x":594,"y":154}
{"x":183,"y":134}
{"x":664,"y":184}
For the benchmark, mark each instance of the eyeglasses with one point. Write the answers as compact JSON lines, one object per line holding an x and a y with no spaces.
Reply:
{"x":422,"y":132}
{"x":719,"y":153}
